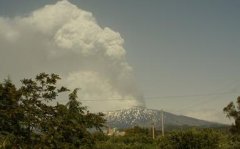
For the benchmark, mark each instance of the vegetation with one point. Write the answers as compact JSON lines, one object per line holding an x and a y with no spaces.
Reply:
{"x":135,"y":138}
{"x":28,"y":118}
{"x":234,"y":112}
{"x":192,"y":138}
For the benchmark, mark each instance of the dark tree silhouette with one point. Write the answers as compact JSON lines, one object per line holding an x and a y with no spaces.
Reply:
{"x":233,"y":111}
{"x":29,"y":119}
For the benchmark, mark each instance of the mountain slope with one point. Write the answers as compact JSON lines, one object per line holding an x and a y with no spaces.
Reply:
{"x":144,"y":117}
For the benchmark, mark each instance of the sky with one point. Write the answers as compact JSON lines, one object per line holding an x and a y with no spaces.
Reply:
{"x":179,"y":56}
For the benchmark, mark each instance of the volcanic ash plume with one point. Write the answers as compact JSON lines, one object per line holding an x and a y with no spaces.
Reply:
{"x":64,"y":39}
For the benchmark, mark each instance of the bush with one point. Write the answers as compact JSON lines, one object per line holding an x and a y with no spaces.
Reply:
{"x":191,"y":139}
{"x":30,"y":119}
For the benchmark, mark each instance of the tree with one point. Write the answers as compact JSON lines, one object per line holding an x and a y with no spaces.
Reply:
{"x":29,"y":115}
{"x":38,"y":114}
{"x":10,"y":112}
{"x":233,"y":111}
{"x":191,"y":139}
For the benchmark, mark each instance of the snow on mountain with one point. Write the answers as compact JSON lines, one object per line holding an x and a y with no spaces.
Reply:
{"x":141,"y":116}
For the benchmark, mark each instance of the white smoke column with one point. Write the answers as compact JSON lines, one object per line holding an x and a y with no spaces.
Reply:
{"x":64,"y":39}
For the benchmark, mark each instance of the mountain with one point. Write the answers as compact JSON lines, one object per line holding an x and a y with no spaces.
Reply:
{"x":141,"y":116}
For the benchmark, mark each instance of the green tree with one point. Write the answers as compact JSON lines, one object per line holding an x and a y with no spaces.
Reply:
{"x":136,"y":130}
{"x":32,"y":120}
{"x":38,"y":114}
{"x":191,"y":139}
{"x":233,"y":111}
{"x":10,"y":113}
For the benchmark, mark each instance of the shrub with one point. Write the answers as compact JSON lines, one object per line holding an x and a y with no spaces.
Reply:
{"x":191,"y":139}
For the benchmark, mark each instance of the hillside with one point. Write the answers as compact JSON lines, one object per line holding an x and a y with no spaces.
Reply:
{"x":144,"y":117}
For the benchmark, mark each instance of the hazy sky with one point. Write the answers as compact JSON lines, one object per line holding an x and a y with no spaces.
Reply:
{"x":184,"y":54}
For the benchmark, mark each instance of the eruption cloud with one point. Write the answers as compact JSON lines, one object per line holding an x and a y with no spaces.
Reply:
{"x":64,"y":39}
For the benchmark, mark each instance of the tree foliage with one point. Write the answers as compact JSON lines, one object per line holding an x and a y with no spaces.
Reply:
{"x":29,"y":119}
{"x":11,"y":114}
{"x":191,"y":139}
{"x":233,"y":111}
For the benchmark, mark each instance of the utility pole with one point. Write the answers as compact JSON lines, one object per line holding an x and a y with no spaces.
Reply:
{"x":153,"y":131}
{"x":162,"y":123}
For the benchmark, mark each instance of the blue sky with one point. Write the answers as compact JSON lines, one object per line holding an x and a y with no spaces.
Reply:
{"x":188,"y":49}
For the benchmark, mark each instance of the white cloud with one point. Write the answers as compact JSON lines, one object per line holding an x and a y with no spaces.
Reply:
{"x":7,"y":32}
{"x":67,"y":40}
{"x":98,"y":88}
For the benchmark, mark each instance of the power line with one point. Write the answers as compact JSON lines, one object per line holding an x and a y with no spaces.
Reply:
{"x":163,"y":97}
{"x":198,"y":103}
{"x":231,"y":91}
